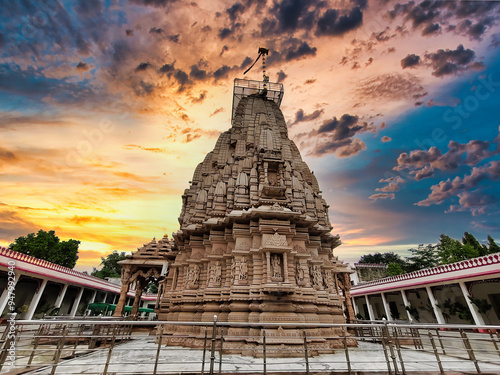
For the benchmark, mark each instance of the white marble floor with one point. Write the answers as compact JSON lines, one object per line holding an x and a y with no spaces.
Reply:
{"x":138,"y":357}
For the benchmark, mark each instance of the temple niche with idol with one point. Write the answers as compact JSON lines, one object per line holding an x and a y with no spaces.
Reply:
{"x":254,"y":244}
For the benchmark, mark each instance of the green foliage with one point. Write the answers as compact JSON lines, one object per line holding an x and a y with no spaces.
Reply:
{"x":110,"y":266}
{"x":492,"y":246}
{"x":456,"y":309}
{"x":413,"y":312}
{"x":482,"y":305}
{"x":394,"y":269}
{"x":474,"y":247}
{"x":423,"y":257}
{"x":451,"y":250}
{"x":47,"y":246}
{"x":385,"y":258}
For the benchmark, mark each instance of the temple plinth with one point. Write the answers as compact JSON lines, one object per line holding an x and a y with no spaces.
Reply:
{"x":254,"y":243}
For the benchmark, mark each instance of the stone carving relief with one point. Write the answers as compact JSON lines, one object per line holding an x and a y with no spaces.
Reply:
{"x":243,"y":245}
{"x":276,"y":240}
{"x":239,"y":271}
{"x":315,"y":272}
{"x":215,"y":274}
{"x":277,"y":207}
{"x":299,"y":249}
{"x":299,"y":274}
{"x":329,"y":280}
{"x":276,"y":267}
{"x":193,"y":276}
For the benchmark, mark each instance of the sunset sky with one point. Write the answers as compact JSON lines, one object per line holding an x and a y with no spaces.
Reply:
{"x":108,"y":106}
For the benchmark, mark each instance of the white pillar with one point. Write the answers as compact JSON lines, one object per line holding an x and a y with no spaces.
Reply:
{"x":35,"y":300}
{"x":105,"y":296}
{"x":77,"y":302}
{"x":356,"y":312}
{"x":435,"y":308}
{"x":406,"y":303}
{"x":478,"y":318}
{"x":61,"y":295}
{"x":386,"y":307}
{"x":370,"y":310}
{"x":5,"y":295}
{"x":93,"y":296}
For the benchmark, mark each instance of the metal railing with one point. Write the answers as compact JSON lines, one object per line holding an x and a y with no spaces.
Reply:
{"x":125,"y":347}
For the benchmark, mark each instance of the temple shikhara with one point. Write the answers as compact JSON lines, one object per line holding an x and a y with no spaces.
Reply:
{"x":254,"y":243}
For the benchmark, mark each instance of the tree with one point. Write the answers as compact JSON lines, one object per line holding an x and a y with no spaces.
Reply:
{"x":450,"y":250}
{"x":47,"y":246}
{"x":474,"y":246}
{"x":385,"y":258}
{"x":110,"y":266}
{"x":394,"y":269}
{"x":492,"y":245}
{"x":423,"y":257}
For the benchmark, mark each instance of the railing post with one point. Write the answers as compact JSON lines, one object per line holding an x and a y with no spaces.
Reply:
{"x":159,"y":336}
{"x":306,"y":353}
{"x":434,"y":348}
{"x":220,"y":350}
{"x":60,"y":347}
{"x":384,"y":347}
{"x":344,"y":339}
{"x":212,"y":349}
{"x":204,"y":351}
{"x":469,"y":349}
{"x":440,"y":341}
{"x":398,"y":349}
{"x":77,"y":339}
{"x":35,"y":346}
{"x":6,"y":347}
{"x":264,"y":350}
{"x":110,"y":351}
{"x":495,"y":344}
{"x":391,"y":348}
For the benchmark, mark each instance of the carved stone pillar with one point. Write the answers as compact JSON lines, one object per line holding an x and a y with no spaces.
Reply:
{"x":138,"y":293}
{"x":347,"y":295}
{"x":120,"y":306}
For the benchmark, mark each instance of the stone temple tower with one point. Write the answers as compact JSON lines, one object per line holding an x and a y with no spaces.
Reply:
{"x":254,"y":243}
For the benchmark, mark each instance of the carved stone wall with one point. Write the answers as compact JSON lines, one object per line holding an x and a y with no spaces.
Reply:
{"x":254,"y":243}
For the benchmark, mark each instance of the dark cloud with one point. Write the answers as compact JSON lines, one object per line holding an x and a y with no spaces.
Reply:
{"x":142,"y":67}
{"x":154,"y":3}
{"x":156,"y":30}
{"x":129,"y":32}
{"x":167,"y":69}
{"x":182,"y":79}
{"x":31,"y":84}
{"x":331,"y":24}
{"x":337,"y":136}
{"x":410,"y":60}
{"x":143,"y":88}
{"x":446,"y":62}
{"x":197,"y":74}
{"x":225,"y":32}
{"x":246,"y":62}
{"x":303,"y":50}
{"x":431,"y":28}
{"x":281,"y":76}
{"x":300,"y":116}
{"x":235,"y":10}
{"x":82,"y":66}
{"x":222,"y":72}
{"x":174,"y":38}
{"x":224,"y":49}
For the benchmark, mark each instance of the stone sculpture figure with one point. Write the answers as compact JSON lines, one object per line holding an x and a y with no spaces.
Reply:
{"x":243,"y":270}
{"x":276,"y":267}
{"x":193,"y":276}
{"x":216,"y":274}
